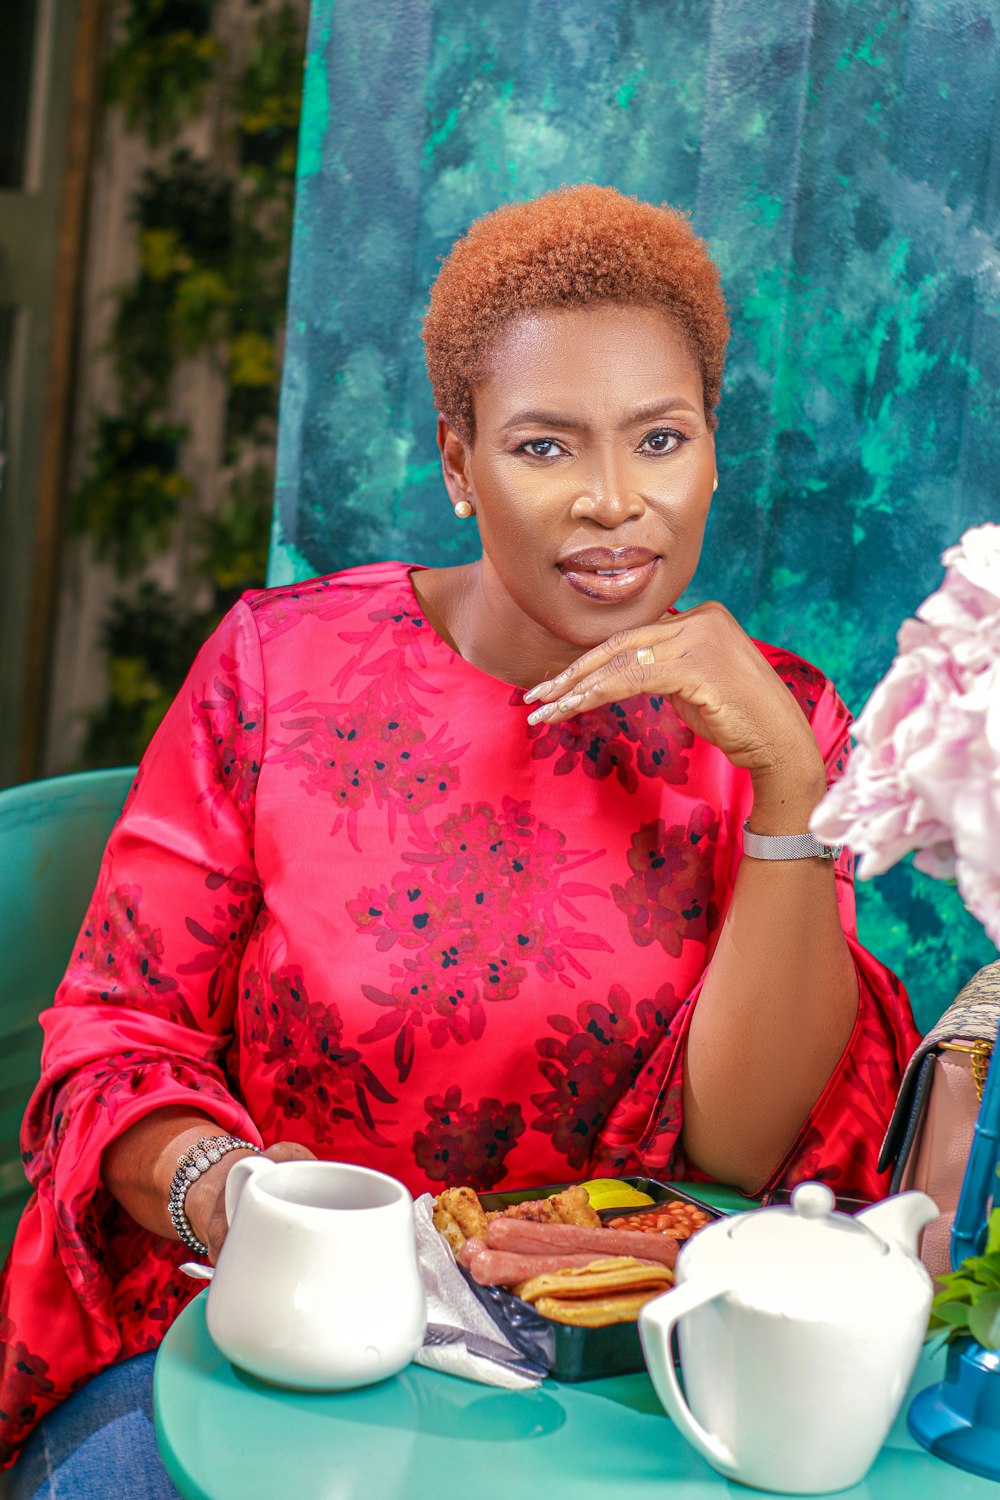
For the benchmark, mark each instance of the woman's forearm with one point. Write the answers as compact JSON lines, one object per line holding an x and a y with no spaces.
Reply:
{"x":138,"y":1167}
{"x":778,"y":1004}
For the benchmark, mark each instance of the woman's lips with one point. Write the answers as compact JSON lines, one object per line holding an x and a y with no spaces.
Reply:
{"x":609,"y":576}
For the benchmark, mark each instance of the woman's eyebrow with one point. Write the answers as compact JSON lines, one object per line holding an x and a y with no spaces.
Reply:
{"x":535,"y":417}
{"x":659,"y":409}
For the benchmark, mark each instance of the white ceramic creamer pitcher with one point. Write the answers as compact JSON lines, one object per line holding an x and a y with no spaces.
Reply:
{"x":799,"y":1330}
{"x":317,"y":1284}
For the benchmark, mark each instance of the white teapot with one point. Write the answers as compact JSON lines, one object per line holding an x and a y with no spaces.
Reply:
{"x":799,"y":1331}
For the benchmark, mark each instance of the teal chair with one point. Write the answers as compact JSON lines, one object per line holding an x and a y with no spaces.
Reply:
{"x":52,"y":835}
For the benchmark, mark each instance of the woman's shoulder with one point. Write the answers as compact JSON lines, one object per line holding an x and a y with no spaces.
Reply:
{"x":808,"y":684}
{"x":303,"y":595}
{"x":373,"y":590}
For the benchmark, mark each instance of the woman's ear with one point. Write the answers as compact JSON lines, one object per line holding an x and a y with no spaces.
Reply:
{"x":456,"y":465}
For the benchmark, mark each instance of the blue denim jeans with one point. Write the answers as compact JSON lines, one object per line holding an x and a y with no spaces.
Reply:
{"x":98,"y":1443}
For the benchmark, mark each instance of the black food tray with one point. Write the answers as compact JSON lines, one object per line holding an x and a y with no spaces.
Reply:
{"x":566,"y":1352}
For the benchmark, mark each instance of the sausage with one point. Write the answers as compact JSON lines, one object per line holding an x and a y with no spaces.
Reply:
{"x":502,"y":1268}
{"x":523,"y":1238}
{"x":471,"y":1247}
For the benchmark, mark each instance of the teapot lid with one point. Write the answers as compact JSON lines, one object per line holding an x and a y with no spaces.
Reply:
{"x":807,"y":1229}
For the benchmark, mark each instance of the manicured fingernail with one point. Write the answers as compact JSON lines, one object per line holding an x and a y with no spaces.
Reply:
{"x":569,"y":703}
{"x":536,"y":692}
{"x":541,"y":714}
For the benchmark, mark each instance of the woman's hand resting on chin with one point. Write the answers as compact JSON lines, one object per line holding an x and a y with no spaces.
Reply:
{"x":713,"y":675}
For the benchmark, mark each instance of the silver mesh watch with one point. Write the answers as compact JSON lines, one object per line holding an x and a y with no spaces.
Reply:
{"x":786,"y":845}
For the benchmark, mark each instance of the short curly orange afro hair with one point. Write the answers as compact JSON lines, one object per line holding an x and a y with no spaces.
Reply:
{"x":569,"y":248}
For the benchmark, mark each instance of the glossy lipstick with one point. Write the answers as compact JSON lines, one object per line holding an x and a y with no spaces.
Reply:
{"x":609,"y":575}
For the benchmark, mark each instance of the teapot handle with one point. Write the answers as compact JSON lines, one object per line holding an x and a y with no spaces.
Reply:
{"x":656,"y":1325}
{"x":239,"y":1175}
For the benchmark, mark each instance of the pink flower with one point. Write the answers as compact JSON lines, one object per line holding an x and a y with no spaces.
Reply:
{"x":926,"y":772}
{"x":965,"y":612}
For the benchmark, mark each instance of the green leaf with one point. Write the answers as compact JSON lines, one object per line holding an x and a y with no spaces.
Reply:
{"x":958,"y":1288}
{"x":984,"y":1270}
{"x":993,"y":1233}
{"x":956,"y":1314}
{"x":252,"y":360}
{"x":984,"y":1321}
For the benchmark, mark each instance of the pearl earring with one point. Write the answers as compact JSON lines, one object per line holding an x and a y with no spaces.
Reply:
{"x":715,"y":484}
{"x":463,"y":510}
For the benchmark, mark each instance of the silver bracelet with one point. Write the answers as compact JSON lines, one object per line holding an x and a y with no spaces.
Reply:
{"x":786,"y":845}
{"x":195,"y":1161}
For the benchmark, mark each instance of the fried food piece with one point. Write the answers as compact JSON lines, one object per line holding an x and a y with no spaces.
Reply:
{"x":534,"y":1210}
{"x":573,"y":1207}
{"x":466,"y":1210}
{"x":446,"y":1225}
{"x":601,"y":1278}
{"x":459,"y":1215}
{"x":595,"y":1312}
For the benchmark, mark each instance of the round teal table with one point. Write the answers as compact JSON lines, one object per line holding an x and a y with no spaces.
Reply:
{"x":424,"y":1436}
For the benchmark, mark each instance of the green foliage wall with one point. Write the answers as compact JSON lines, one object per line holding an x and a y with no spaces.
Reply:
{"x":212,"y":233}
{"x":841,"y":158}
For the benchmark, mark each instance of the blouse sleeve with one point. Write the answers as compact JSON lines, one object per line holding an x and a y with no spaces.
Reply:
{"x":839,"y":1141}
{"x":142,"y":1020}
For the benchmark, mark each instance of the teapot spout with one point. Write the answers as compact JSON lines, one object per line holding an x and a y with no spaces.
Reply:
{"x":900,"y":1219}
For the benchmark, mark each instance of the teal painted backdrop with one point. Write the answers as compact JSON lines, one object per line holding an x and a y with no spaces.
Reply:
{"x":843,"y":161}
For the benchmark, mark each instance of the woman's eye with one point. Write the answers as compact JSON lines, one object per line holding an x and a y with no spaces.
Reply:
{"x":541,"y":447}
{"x":663,"y":440}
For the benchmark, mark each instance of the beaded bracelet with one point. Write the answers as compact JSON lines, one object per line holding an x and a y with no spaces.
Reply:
{"x":195,"y":1161}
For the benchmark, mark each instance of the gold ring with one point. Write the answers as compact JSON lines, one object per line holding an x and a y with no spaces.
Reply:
{"x":644,"y":656}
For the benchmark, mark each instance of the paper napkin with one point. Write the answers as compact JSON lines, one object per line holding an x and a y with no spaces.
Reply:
{"x":450,"y":1302}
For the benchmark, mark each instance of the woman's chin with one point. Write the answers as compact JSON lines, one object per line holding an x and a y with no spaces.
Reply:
{"x":583,"y":617}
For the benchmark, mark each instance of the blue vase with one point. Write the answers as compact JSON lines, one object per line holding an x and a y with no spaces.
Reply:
{"x":959,"y":1419}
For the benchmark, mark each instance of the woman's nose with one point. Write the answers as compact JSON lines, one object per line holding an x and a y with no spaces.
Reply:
{"x":608,"y":503}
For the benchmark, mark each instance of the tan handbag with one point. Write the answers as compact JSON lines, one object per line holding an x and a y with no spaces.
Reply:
{"x":930,"y":1132}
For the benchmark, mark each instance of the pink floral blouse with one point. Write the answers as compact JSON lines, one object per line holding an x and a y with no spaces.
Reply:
{"x":356,"y":901}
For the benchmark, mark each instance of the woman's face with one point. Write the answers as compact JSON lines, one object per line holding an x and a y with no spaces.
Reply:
{"x":591,"y":472}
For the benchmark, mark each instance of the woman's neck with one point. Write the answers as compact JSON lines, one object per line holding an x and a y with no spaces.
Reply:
{"x":483,"y":625}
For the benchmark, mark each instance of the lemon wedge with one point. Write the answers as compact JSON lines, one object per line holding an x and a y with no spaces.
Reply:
{"x":605,"y":1192}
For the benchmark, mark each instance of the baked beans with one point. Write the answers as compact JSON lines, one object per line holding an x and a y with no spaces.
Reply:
{"x":675,"y":1218}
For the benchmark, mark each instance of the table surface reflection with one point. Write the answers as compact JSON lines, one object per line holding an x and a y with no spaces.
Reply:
{"x":424,"y":1436}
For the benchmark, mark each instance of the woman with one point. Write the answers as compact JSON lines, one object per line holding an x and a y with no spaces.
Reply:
{"x":364,"y":903}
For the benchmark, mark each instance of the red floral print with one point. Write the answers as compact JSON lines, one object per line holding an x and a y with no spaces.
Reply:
{"x":601,"y":742}
{"x":481,"y":904}
{"x":125,"y":955}
{"x":353,"y":753}
{"x":231,"y":909}
{"x":670,"y":896}
{"x":591,"y":1062}
{"x":225,"y":722}
{"x":25,"y":1385}
{"x":802,"y":679}
{"x":315,"y":1078}
{"x":466,"y":1143}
